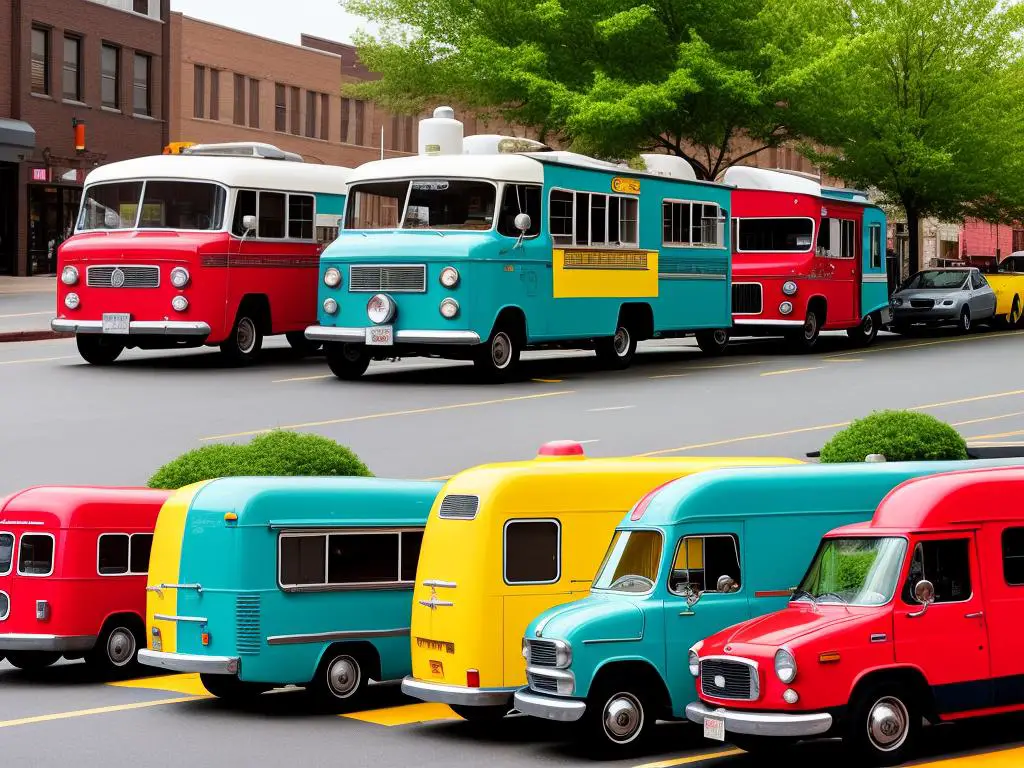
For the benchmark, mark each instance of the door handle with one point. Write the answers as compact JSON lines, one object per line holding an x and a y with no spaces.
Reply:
{"x":976,"y":615}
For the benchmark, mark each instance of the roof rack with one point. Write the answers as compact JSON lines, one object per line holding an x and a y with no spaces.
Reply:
{"x":243,"y":149}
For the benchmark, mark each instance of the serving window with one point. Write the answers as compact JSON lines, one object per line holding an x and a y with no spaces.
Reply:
{"x":349,"y":559}
{"x":122,"y":554}
{"x":532,"y":552}
{"x":592,"y":219}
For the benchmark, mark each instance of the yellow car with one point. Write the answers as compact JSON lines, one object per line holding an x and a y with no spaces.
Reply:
{"x":1008,"y":283}
{"x":505,"y":542}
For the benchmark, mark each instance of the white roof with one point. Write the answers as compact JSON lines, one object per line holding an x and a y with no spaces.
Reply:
{"x":510,"y":167}
{"x":746,"y":177}
{"x":247,"y":172}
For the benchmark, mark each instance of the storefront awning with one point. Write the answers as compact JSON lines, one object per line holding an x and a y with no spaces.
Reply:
{"x":17,"y":140}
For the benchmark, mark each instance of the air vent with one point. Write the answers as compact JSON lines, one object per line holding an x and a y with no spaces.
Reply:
{"x":247,"y":623}
{"x":459,"y":507}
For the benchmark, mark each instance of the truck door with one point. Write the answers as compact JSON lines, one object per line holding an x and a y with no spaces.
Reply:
{"x":948,"y":639}
{"x":840,"y":246}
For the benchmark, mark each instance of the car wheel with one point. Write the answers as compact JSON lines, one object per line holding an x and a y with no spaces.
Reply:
{"x":97,"y":350}
{"x":244,"y":343}
{"x":865,"y":333}
{"x":498,"y":358}
{"x":116,"y":650}
{"x":341,"y":678}
{"x":347,"y":361}
{"x":617,"y":352}
{"x":32,"y":661}
{"x":620,"y":720}
{"x":806,"y":338}
{"x":713,"y":342}
{"x":882,"y":726}
{"x":964,"y":323}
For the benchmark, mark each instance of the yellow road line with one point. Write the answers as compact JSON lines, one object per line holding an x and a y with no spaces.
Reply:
{"x":404,"y":715}
{"x":36,"y":360}
{"x":690,"y":759}
{"x":998,"y":435}
{"x":304,"y":378}
{"x":187,"y":683}
{"x":28,"y":314}
{"x":843,"y":359}
{"x":547,"y":381}
{"x":94,"y":711}
{"x":931,"y":343}
{"x":669,"y":376}
{"x":390,"y":414}
{"x":986,"y":418}
{"x":1005,"y":758}
{"x":792,"y":370}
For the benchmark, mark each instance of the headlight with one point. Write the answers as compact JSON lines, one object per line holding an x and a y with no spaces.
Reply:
{"x":332,"y":277}
{"x":179,"y":277}
{"x":694,"y":664}
{"x":526,"y":649}
{"x":785,"y":666}
{"x":71,"y":301}
{"x":330,"y":306}
{"x":789,"y":287}
{"x":69,"y":275}
{"x":898,"y":301}
{"x":380,"y":308}
{"x":786,"y":307}
{"x":180,"y":303}
{"x":449,"y":308}
{"x":563,"y":654}
{"x":449,"y":277}
{"x":947,"y":302}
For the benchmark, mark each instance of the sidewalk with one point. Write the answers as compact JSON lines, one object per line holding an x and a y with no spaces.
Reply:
{"x":27,"y":304}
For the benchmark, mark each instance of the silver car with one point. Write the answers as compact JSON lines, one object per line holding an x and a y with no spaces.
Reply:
{"x":959,"y":296}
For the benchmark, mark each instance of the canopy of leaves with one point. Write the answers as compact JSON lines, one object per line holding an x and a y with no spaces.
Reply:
{"x":897,"y":435}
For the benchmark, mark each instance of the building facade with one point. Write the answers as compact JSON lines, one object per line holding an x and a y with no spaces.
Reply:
{"x":82,"y":83}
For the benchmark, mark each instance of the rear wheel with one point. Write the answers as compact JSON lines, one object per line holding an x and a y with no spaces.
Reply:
{"x":298,"y":342}
{"x":498,"y":358}
{"x":618,"y":351}
{"x":1015,"y":316}
{"x":230,"y":688}
{"x":865,"y":333}
{"x":245,"y":341}
{"x":97,"y":349}
{"x":116,"y":649}
{"x":31,"y":661}
{"x":341,"y":678}
{"x":964,"y":323}
{"x":347,"y":361}
{"x":713,"y":342}
{"x":489,"y":714}
{"x":806,"y":338}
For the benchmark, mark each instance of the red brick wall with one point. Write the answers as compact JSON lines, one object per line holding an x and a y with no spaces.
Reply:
{"x":979,"y":238}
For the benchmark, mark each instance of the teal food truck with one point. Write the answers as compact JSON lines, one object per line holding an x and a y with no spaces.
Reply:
{"x":692,"y":558}
{"x":483,"y":246}
{"x":258,"y":582}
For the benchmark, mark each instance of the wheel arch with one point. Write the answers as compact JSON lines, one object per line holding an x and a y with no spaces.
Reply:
{"x":364,"y":651}
{"x":639,"y":317}
{"x":259,"y":305}
{"x":906,"y":676}
{"x":818,"y":302}
{"x":512,"y":318}
{"x":633,"y":669}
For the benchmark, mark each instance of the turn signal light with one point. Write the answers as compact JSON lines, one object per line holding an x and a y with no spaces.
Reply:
{"x":206,"y":638}
{"x":473,"y":678}
{"x":829,"y":658}
{"x":230,"y":517}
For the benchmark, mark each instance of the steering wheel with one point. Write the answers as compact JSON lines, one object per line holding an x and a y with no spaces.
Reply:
{"x":623,"y":580}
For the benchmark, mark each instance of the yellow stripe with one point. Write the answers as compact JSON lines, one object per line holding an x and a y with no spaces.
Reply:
{"x":690,"y":759}
{"x":188,"y":683}
{"x":95,"y":711}
{"x":792,"y":370}
{"x":955,"y":340}
{"x":1007,"y":758}
{"x":36,"y":360}
{"x":404,"y":715}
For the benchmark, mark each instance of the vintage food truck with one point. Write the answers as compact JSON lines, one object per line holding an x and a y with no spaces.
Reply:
{"x":218,"y":245}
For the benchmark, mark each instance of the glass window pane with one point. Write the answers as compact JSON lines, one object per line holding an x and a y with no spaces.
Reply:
{"x":631,"y":563}
{"x":6,"y":552}
{"x":377,"y":205}
{"x":702,"y":560}
{"x":113,"y":554}
{"x":532,"y":551}
{"x":302,"y":560}
{"x":245,"y":205}
{"x":109,"y":91}
{"x":946,"y":564}
{"x":187,"y":205}
{"x":110,"y":206}
{"x":35,"y":556}
{"x":779,"y":235}
{"x":450,"y":204}
{"x":300,"y":217}
{"x":360,"y":558}
{"x":411,"y":542}
{"x":271,"y":223}
{"x":561,"y":216}
{"x":40,"y":61}
{"x":142,"y":545}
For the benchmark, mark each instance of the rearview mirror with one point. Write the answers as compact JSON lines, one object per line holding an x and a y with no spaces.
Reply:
{"x":727,"y":584}
{"x":249,"y":223}
{"x":924,"y":593}
{"x":523,"y":222}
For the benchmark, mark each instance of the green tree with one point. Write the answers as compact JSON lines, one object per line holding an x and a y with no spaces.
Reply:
{"x":611,"y":77}
{"x":920,"y":99}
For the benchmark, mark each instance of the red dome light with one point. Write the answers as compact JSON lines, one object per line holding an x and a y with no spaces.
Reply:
{"x":561,"y":448}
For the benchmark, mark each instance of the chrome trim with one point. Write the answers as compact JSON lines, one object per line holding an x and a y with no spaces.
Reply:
{"x":875,"y":278}
{"x":755,"y":673}
{"x":552,"y":672}
{"x":439,"y":584}
{"x":879,"y":638}
{"x":21,"y":641}
{"x":760,"y":295}
{"x":113,"y":267}
{"x":549,"y":707}
{"x":614,"y":640}
{"x":192,"y":619}
{"x":559,"y":646}
{"x":763,"y":723}
{"x":135,"y":327}
{"x":358,"y":335}
{"x":341,"y":635}
{"x":744,"y":321}
{"x":158,"y":588}
{"x":189,"y":662}
{"x":457,"y":694}
{"x":433,"y":603}
{"x":380,"y":287}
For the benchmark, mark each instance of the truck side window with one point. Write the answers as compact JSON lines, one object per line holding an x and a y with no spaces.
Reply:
{"x":702,"y":560}
{"x":35,"y":556}
{"x":519,"y":198}
{"x":6,"y":552}
{"x":1013,"y":556}
{"x":947,"y":565}
{"x":532,"y":551}
{"x":245,"y":205}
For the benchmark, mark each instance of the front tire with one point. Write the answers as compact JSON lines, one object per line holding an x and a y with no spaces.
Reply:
{"x":498,"y":358}
{"x":621,"y":720}
{"x":489,"y":714}
{"x":32,"y":661}
{"x":116,"y":650}
{"x":347,"y":361}
{"x":618,"y":351}
{"x":340,"y":679}
{"x":806,"y":338}
{"x":98,"y":350}
{"x":865,"y":334}
{"x":246,"y":339}
{"x":713,"y":343}
{"x":300,"y":344}
{"x":964,"y":323}
{"x":883,"y":726}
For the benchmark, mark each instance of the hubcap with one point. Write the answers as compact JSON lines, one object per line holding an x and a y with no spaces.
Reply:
{"x":246,"y":336}
{"x":888,"y":724}
{"x":352,"y":352}
{"x":1015,"y":312}
{"x":869,"y":325}
{"x":120,"y":647}
{"x":623,"y":718}
{"x":721,"y":338}
{"x":343,"y":676}
{"x":967,"y":320}
{"x":501,"y":350}
{"x":620,"y":342}
{"x":811,"y":327}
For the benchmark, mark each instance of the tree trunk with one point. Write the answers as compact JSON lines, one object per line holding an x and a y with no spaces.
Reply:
{"x":914,"y":230}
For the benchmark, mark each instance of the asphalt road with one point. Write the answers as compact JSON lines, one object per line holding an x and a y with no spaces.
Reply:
{"x":62,"y":421}
{"x":27,"y":304}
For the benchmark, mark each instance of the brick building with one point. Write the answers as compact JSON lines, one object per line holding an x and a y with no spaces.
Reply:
{"x":100,"y":62}
{"x":981,"y":241}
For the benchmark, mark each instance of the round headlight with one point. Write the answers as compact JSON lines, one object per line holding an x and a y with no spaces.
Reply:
{"x":179,"y":277}
{"x":449,"y":308}
{"x":898,"y":301}
{"x":449,"y":277}
{"x":526,"y":649}
{"x":69,"y":275}
{"x":380,"y":308}
{"x":785,"y":666}
{"x":789,"y":287}
{"x":694,"y":664}
{"x":332,"y":277}
{"x":786,"y":307}
{"x":790,"y":696}
{"x":71,"y":301}
{"x":180,"y":303}
{"x":330,"y":306}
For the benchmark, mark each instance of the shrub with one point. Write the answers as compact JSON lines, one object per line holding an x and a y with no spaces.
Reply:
{"x":897,"y":435}
{"x":280,"y":452}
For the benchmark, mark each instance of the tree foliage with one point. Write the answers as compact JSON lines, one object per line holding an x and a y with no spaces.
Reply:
{"x":897,"y":435}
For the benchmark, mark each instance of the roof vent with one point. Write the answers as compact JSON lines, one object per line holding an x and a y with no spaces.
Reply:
{"x":242,"y":149}
{"x":746,"y":177}
{"x":441,"y":134}
{"x":673,"y":166}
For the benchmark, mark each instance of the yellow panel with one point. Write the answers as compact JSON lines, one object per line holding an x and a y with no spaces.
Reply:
{"x":404,"y":715}
{"x":583,"y":273}
{"x":695,"y":554}
{"x":176,"y":683}
{"x":520,"y":610}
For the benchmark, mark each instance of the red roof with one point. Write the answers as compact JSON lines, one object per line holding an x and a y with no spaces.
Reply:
{"x":63,"y":503}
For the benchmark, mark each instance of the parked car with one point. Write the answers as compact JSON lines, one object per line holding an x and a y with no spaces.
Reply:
{"x":959,"y":296}
{"x":1007,"y":280}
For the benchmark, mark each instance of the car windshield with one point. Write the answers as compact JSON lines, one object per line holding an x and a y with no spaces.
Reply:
{"x":1011,"y":264}
{"x":631,"y":563}
{"x":938,"y":278}
{"x":181,"y":205}
{"x":854,"y":571}
{"x":435,"y":204}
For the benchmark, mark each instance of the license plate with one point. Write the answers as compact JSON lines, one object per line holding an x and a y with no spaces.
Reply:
{"x":116,"y":322}
{"x":436,"y":668}
{"x":714,"y":728}
{"x":380,"y":336}
{"x":435,"y":645}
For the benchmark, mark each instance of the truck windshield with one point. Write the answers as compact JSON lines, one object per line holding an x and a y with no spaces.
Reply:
{"x":854,"y":571}
{"x":456,"y":204}
{"x":631,"y":563}
{"x":182,"y":205}
{"x":940,"y":279}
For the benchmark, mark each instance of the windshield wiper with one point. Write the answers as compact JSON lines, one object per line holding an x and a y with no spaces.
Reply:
{"x":800,"y":594}
{"x":836,"y":595}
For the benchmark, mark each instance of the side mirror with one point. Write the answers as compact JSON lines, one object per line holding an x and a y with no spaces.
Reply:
{"x":523,"y":222}
{"x":924,"y":593}
{"x":111,"y":220}
{"x":249,"y":223}
{"x":727,"y":584}
{"x":692,"y":598}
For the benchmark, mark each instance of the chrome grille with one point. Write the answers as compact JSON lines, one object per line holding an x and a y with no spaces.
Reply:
{"x":247,"y":623}
{"x":5,"y":605}
{"x":740,"y":679}
{"x":127,"y":276}
{"x":411,"y":278}
{"x":459,"y":506}
{"x":746,"y":298}
{"x":922,"y":303}
{"x":542,"y":653}
{"x":543,"y":684}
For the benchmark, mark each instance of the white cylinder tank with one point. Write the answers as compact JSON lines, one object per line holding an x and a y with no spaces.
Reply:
{"x":441,"y":134}
{"x":673,"y":166}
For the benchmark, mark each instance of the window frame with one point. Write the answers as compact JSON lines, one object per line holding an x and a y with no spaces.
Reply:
{"x":142,"y":196}
{"x":14,"y":552}
{"x":53,"y":556}
{"x":115,"y":76}
{"x":619,"y":246}
{"x":280,"y":108}
{"x":1002,"y":551}
{"x":675,"y":556}
{"x":199,"y":91}
{"x":230,"y":220}
{"x":875,"y":259}
{"x":70,"y":37}
{"x":500,"y":202}
{"x":148,"y":59}
{"x":350,"y":198}
{"x":720,"y":221}
{"x":239,"y":100}
{"x":898,"y":593}
{"x":131,"y":537}
{"x":47,"y":37}
{"x":812,"y":246}
{"x":600,"y":567}
{"x":214,"y":94}
{"x":504,"y":550}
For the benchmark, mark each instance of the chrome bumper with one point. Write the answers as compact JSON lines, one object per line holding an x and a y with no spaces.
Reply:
{"x":549,"y":707}
{"x":58,"y":643}
{"x":358,"y":336}
{"x":747,"y":320}
{"x":189,"y":662}
{"x":457,"y":694}
{"x":763,"y":723}
{"x":135,"y":327}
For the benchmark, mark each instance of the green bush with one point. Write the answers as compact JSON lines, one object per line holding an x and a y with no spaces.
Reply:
{"x":280,"y":452}
{"x":897,"y":435}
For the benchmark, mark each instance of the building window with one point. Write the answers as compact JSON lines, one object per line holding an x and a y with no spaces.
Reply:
{"x":296,"y":114}
{"x":40,"y":61}
{"x":311,"y":104}
{"x":300,"y":217}
{"x":360,"y":120}
{"x":280,"y":109}
{"x":215,"y":94}
{"x":395,"y":133}
{"x":346,"y":112}
{"x":199,"y":91}
{"x":141,"y":6}
{"x":254,"y":103}
{"x":348,"y":559}
{"x":532,"y":551}
{"x":325,"y":116}
{"x":120,"y":554}
{"x":701,"y":561}
{"x":141,"y":102}
{"x":239,"y":117}
{"x":35,"y":556}
{"x":687,"y":224}
{"x":72,"y":74}
{"x":110,"y":76}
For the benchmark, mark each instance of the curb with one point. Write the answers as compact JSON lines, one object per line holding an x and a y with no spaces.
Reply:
{"x":32,"y":335}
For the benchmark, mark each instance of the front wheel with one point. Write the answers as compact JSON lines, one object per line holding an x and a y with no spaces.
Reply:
{"x":98,"y":350}
{"x":245,"y":341}
{"x":488,"y":714}
{"x":622,"y":719}
{"x":347,"y":361}
{"x":713,"y":342}
{"x":806,"y":338}
{"x":115,"y":651}
{"x":230,"y":688}
{"x":964,"y":323}
{"x":618,"y":351}
{"x":865,"y":333}
{"x":32,"y":661}
{"x":300,"y":344}
{"x":883,"y":726}
{"x":498,"y":358}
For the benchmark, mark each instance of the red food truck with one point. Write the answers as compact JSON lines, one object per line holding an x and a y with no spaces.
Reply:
{"x":218,"y":245}
{"x":913,"y":615}
{"x":73,"y":566}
